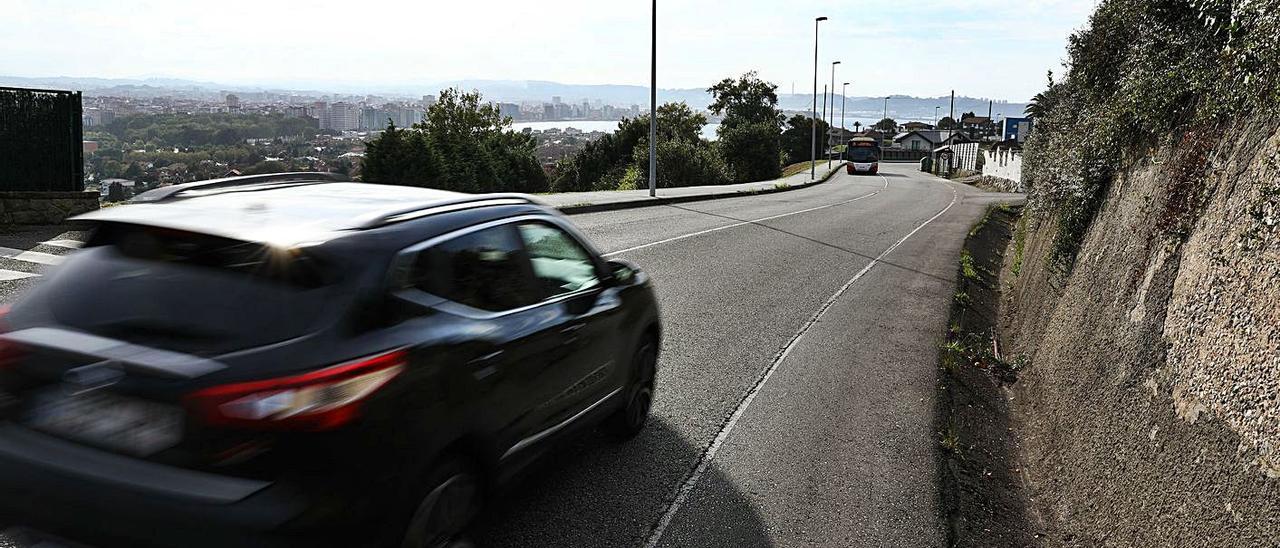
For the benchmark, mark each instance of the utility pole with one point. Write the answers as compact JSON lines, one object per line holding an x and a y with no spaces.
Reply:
{"x":831,"y":125}
{"x":844,"y":97}
{"x":935,"y":117}
{"x":653,"y":106}
{"x":953,"y":106}
{"x":824,"y":111}
{"x":813,"y":146}
{"x":886,"y":109}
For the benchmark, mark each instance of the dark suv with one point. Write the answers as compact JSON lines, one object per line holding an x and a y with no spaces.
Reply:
{"x":298,"y":360}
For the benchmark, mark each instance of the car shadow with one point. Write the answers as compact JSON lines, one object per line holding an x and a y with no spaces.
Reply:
{"x":596,"y":492}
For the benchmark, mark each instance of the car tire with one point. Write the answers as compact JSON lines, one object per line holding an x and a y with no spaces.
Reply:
{"x":628,"y":421}
{"x":451,"y":498}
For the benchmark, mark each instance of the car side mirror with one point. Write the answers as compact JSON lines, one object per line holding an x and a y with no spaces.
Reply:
{"x":622,"y":272}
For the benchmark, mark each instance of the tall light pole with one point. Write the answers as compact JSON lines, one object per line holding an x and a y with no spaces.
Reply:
{"x":935,"y":117}
{"x":832,"y":124}
{"x":844,"y":97}
{"x":813,"y":147}
{"x":653,"y":105}
{"x":886,"y":108}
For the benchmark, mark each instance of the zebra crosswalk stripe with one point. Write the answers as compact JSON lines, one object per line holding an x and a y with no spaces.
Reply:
{"x":30,"y":256}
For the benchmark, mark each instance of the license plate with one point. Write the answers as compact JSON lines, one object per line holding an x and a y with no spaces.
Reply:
{"x":115,"y":422}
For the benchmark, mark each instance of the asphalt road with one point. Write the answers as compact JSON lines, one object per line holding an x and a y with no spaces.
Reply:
{"x":795,"y":397}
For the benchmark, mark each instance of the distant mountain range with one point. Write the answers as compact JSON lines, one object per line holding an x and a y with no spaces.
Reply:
{"x":901,"y":107}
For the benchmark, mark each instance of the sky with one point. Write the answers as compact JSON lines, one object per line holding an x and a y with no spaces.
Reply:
{"x":999,"y":49}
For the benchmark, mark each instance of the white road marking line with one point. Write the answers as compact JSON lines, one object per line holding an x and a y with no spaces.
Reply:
{"x":69,"y":244}
{"x":7,"y":275}
{"x":682,"y":494}
{"x":30,"y":256}
{"x":728,"y":226}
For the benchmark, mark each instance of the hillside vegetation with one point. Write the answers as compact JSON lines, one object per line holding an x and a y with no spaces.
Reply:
{"x":1142,"y":286}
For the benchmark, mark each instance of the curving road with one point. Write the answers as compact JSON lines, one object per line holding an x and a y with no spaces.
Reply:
{"x":796,"y":390}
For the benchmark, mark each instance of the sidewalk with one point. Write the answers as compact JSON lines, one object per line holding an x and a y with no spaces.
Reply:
{"x":605,"y":200}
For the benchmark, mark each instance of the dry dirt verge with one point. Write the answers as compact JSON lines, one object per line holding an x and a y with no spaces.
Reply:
{"x":983,"y":495}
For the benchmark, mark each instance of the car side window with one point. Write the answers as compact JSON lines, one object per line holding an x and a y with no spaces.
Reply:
{"x":560,"y":264}
{"x":486,"y":269}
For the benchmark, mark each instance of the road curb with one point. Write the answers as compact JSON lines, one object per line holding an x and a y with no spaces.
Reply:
{"x":577,"y":209}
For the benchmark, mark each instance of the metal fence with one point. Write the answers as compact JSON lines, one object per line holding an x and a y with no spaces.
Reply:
{"x":965,"y":156}
{"x":41,"y":140}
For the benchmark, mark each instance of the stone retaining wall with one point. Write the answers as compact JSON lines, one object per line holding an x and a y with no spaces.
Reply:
{"x":44,"y":208}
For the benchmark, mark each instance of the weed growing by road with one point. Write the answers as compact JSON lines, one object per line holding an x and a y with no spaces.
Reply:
{"x":950,"y":439}
{"x":966,"y":265}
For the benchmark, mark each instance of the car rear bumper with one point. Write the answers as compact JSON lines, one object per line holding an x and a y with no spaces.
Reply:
{"x":105,"y":499}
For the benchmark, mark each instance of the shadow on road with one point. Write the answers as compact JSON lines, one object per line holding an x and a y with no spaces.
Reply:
{"x":816,"y":241}
{"x":597,"y":492}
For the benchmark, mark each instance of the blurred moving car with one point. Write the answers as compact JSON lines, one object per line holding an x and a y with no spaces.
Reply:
{"x":298,"y":360}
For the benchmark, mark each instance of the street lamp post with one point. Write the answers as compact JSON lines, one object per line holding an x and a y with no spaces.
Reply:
{"x":832,"y":124}
{"x":886,"y":108}
{"x":653,"y":105}
{"x":813,"y":146}
{"x":935,"y":117}
{"x":843,"y":99}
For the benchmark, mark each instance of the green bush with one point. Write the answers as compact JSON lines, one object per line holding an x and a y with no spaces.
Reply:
{"x":1141,"y":75}
{"x":751,"y":152}
{"x":683,"y":163}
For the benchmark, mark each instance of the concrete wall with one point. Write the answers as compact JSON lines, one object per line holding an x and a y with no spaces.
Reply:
{"x":44,"y":208}
{"x":1005,"y":164}
{"x":1149,"y":414}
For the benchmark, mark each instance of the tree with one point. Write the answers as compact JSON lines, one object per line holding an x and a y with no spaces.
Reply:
{"x":682,"y":163}
{"x":747,"y":100}
{"x":676,"y":121}
{"x":134,"y":171}
{"x":750,"y":140}
{"x":948,"y":123}
{"x":797,"y":138}
{"x":751,"y":152}
{"x":1044,"y":101}
{"x":887,"y":125}
{"x":603,"y":164}
{"x":461,"y":144}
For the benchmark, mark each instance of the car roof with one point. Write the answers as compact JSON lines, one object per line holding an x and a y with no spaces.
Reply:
{"x":292,"y":212}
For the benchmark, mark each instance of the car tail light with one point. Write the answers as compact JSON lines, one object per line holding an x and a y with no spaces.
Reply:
{"x":320,"y":400}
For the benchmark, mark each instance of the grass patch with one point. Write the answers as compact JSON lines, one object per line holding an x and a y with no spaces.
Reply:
{"x":799,"y":167}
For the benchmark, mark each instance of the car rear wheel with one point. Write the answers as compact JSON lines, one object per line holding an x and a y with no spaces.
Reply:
{"x":452,"y":500}
{"x":630,"y":420}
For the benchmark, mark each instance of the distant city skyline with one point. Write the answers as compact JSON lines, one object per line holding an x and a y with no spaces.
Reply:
{"x":986,"y":48}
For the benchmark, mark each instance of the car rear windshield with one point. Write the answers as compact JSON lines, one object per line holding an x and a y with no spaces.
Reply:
{"x":165,"y":245}
{"x":190,"y":292}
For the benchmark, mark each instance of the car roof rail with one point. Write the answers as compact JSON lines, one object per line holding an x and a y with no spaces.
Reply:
{"x":171,"y":191}
{"x":442,"y":206}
